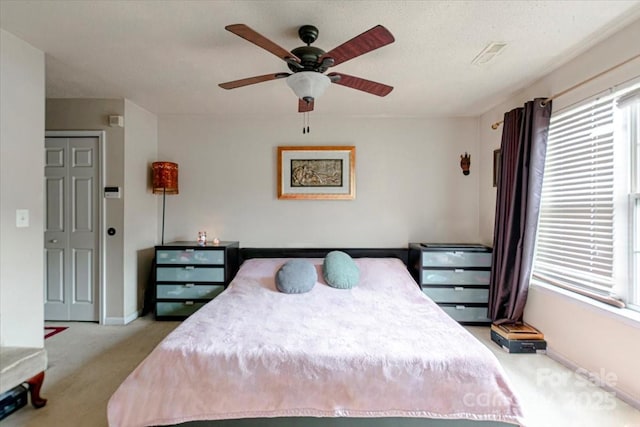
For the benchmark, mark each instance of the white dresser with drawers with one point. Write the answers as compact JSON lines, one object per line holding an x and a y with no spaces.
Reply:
{"x":455,"y":276}
{"x":188,"y":276}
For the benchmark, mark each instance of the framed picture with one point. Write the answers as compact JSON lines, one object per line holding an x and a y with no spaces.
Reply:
{"x":496,"y":166}
{"x":322,"y":172}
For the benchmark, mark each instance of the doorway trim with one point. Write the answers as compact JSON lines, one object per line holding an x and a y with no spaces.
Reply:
{"x":101,"y":135}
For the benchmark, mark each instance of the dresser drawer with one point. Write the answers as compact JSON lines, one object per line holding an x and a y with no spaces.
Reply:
{"x":457,"y":294}
{"x":178,"y":309}
{"x":190,"y":274}
{"x":189,"y":256}
{"x":188,"y":291}
{"x":456,"y":259}
{"x":455,"y":277}
{"x":464,"y":313}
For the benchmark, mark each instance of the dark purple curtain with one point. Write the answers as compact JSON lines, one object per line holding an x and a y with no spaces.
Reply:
{"x":523,"y":150}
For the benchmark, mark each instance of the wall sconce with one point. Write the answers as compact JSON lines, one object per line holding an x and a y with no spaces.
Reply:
{"x":465,"y":163}
{"x":165,"y":181}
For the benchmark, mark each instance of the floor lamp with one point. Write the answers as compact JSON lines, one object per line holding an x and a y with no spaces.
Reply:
{"x":165,"y":181}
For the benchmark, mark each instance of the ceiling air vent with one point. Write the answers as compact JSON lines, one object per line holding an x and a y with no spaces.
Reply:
{"x":488,"y":53}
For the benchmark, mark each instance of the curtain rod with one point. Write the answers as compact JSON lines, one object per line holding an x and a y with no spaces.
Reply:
{"x":552,"y":97}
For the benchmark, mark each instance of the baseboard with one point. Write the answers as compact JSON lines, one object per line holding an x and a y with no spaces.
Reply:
{"x":120,"y":321}
{"x":622,"y":395}
{"x":113,"y":321}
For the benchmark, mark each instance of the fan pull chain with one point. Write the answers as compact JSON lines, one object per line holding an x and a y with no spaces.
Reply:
{"x":305,"y":123}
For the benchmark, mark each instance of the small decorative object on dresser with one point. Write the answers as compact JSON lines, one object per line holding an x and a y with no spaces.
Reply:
{"x":202,"y":238}
{"x":455,"y":276}
{"x":189,"y":275}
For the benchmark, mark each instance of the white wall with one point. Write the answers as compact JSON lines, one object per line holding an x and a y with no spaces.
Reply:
{"x":409,"y":185}
{"x":140,"y":205}
{"x":21,"y":176}
{"x":576,"y":332}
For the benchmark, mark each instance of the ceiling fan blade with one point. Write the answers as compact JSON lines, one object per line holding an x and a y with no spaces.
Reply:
{"x":372,"y":39}
{"x":304,"y":106}
{"x":252,"y":80}
{"x":358,"y":83}
{"x":260,"y":40}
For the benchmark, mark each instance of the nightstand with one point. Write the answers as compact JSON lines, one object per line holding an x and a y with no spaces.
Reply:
{"x":456,"y":277}
{"x":188,"y":276}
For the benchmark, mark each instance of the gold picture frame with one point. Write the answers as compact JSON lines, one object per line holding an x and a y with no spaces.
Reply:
{"x":317,"y":172}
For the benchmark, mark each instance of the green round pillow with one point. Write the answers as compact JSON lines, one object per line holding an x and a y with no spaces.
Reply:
{"x":340,"y":271}
{"x":296,"y":276}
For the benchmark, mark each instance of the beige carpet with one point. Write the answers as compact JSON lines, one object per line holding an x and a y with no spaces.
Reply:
{"x":87,"y":362}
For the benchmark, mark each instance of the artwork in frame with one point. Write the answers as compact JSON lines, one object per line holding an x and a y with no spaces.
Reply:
{"x":496,"y":166}
{"x":317,"y":172}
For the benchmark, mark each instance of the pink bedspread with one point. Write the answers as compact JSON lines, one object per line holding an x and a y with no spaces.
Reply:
{"x":381,"y":349}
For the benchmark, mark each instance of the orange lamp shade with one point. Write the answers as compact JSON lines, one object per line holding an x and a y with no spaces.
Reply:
{"x":165,"y":177}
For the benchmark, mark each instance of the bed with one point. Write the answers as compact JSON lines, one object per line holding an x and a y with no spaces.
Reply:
{"x":381,"y":353}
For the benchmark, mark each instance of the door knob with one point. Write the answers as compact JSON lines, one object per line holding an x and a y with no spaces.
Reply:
{"x":53,"y":240}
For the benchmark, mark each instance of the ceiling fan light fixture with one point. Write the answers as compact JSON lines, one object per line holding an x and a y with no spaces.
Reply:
{"x":308,"y":85}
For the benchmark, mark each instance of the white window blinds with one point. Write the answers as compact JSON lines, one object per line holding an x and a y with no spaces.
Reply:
{"x":629,"y":105}
{"x":576,"y":226}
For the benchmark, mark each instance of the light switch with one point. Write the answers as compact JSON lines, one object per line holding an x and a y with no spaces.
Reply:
{"x":22,"y":217}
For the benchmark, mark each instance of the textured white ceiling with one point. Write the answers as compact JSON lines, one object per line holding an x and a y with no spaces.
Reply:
{"x":169,"y":56}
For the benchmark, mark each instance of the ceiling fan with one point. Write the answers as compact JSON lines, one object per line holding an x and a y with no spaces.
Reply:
{"x":309,"y":63}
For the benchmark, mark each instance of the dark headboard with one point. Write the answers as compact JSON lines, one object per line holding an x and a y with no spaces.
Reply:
{"x":248,"y":253}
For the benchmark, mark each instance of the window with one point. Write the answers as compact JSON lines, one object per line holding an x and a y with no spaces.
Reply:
{"x":589,"y":228}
